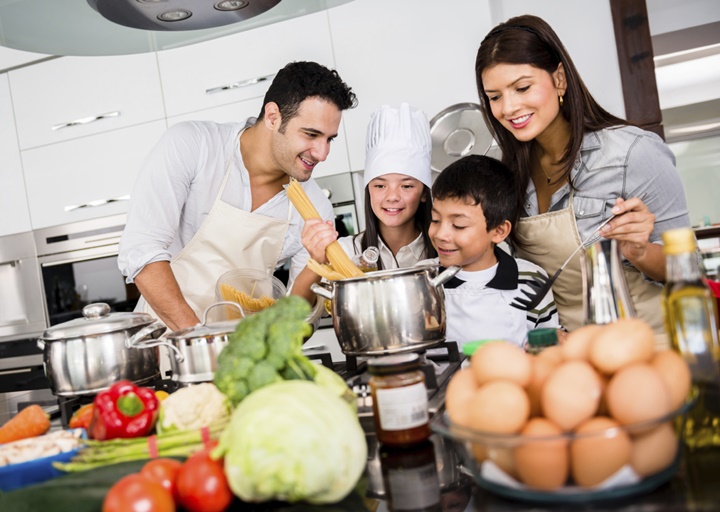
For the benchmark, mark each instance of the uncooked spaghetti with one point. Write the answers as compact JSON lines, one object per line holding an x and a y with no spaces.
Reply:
{"x":340,"y":261}
{"x":248,"y":303}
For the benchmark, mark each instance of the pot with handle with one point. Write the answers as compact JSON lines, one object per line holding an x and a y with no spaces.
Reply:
{"x":194,"y":350}
{"x":389,"y":311}
{"x":87,"y":355}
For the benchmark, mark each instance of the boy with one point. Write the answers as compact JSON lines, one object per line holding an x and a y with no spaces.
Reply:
{"x":474,"y":206}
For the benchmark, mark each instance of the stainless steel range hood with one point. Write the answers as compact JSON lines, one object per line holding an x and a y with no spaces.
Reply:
{"x":120,"y":27}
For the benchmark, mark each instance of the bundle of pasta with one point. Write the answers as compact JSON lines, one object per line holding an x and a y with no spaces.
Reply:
{"x":342,"y":265}
{"x":247,"y":302}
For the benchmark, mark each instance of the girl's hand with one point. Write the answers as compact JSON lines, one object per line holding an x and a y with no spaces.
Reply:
{"x":316,"y":236}
{"x":631,"y":228}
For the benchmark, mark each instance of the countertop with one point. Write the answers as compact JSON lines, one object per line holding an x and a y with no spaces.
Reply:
{"x":693,"y":487}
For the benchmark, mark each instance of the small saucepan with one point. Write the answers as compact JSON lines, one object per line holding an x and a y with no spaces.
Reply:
{"x":389,"y":311}
{"x":194,"y":350}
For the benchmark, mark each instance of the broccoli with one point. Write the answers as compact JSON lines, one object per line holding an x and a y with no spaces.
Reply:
{"x":264,"y":348}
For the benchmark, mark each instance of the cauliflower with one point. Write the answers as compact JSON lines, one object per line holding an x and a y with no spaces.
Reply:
{"x":193,"y":407}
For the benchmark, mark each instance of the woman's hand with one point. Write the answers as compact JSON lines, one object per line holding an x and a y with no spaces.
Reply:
{"x":631,"y":228}
{"x":316,"y":236}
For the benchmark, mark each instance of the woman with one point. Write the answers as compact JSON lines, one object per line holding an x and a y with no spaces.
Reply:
{"x":576,"y":166}
{"x":397,"y":182}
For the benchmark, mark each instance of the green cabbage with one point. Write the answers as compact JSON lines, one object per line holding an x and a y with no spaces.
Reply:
{"x":293,"y":441}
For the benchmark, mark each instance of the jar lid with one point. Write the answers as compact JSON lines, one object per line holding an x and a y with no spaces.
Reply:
{"x":96,"y":319}
{"x":205,"y":330}
{"x":542,"y":337}
{"x":390,"y":365}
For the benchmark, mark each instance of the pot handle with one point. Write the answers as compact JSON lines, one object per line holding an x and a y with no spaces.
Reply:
{"x":138,"y":340}
{"x":445,"y":276}
{"x":221,"y":303}
{"x":322,"y":289}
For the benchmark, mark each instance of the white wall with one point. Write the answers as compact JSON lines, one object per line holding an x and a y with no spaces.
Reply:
{"x":586,"y":29}
{"x":671,"y":15}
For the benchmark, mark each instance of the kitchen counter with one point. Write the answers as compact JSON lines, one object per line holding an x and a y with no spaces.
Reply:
{"x":694,"y":487}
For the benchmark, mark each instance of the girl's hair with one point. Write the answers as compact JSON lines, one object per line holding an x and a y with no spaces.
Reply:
{"x":423,"y":215}
{"x":530,"y":40}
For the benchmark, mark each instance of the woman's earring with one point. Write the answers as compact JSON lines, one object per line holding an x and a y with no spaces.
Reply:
{"x":561,"y":101}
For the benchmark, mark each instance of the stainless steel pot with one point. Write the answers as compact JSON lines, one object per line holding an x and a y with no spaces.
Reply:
{"x":194,"y":350}
{"x":389,"y":311}
{"x":87,"y":355}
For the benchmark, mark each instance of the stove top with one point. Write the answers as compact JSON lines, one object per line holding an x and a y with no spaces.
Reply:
{"x":438,"y":364}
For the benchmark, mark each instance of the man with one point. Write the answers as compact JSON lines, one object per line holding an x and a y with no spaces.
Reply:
{"x":210,"y":196}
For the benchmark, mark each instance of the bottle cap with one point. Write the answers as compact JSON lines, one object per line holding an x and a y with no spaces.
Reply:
{"x":542,"y":337}
{"x":678,"y":241}
{"x":371,"y":254}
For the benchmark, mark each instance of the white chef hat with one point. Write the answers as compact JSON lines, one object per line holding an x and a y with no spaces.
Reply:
{"x":398,"y":141}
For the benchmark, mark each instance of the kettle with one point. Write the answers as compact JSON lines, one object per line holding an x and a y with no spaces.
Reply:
{"x":606,"y":296}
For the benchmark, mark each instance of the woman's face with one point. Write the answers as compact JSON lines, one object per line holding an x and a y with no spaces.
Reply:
{"x":395,"y":198}
{"x":523,"y":98}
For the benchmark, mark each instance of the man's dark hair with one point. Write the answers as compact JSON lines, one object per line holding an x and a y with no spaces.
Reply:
{"x":483,"y":181}
{"x":298,"y":81}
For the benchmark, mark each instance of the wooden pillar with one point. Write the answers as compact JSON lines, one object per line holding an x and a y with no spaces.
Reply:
{"x":637,"y":69}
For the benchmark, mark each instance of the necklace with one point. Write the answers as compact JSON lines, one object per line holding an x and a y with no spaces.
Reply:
{"x":542,"y":167}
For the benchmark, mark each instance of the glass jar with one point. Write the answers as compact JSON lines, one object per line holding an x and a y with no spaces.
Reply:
{"x":410,"y":477}
{"x":400,"y":401}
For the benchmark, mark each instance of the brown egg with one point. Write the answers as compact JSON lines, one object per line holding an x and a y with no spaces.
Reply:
{"x":499,"y":406}
{"x":504,"y":458}
{"x":460,"y":390}
{"x":571,"y":394}
{"x":543,"y":464}
{"x":602,"y":406}
{"x":552,"y":355}
{"x":655,"y":450}
{"x":501,"y":360}
{"x":596,"y":457}
{"x":637,"y":393}
{"x":675,"y":373}
{"x":577,"y":345}
{"x":619,"y":344}
{"x":541,"y":370}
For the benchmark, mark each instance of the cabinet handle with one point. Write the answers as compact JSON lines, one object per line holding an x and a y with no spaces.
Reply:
{"x":12,"y":263}
{"x":84,"y":120}
{"x":238,"y":85}
{"x":99,"y":202}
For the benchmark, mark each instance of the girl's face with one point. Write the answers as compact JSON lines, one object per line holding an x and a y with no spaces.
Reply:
{"x":395,"y":198}
{"x":523,"y":98}
{"x":459,"y":233}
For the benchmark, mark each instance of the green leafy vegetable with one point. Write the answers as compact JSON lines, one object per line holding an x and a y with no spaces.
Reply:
{"x":293,"y":441}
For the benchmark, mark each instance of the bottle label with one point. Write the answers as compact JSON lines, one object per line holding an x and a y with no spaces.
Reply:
{"x":402,"y":408}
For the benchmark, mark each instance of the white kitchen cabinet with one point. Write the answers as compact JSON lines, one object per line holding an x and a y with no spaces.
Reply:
{"x":240,"y":66}
{"x":86,"y":178}
{"x":337,"y":160}
{"x":74,"y":97}
{"x":416,"y":51}
{"x":14,"y":215}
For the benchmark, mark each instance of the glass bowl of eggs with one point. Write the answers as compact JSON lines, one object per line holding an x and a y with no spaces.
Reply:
{"x":601,"y":416}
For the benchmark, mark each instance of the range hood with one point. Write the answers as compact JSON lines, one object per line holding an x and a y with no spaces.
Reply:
{"x":120,"y":27}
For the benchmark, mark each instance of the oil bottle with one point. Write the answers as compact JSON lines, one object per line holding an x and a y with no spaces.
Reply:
{"x":690,"y":310}
{"x":367,"y":261}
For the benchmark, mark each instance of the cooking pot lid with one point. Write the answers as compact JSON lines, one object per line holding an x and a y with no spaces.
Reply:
{"x":204,"y":330}
{"x":96,"y":319}
{"x":458,"y":131}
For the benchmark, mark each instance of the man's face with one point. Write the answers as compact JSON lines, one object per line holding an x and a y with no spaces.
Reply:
{"x":304,"y":140}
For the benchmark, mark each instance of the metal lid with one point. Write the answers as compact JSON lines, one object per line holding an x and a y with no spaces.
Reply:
{"x":458,"y":131}
{"x":390,"y":365}
{"x":96,"y":319}
{"x":204,"y":330}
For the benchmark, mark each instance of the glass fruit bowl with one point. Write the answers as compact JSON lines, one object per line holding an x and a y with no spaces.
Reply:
{"x":605,"y":461}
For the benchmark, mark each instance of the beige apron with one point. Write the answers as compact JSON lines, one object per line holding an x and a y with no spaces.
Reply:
{"x":228,"y":239}
{"x":547,"y":244}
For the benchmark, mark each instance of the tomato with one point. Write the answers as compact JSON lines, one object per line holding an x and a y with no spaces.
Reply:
{"x":201,"y":484}
{"x":163,"y":471}
{"x":135,"y":493}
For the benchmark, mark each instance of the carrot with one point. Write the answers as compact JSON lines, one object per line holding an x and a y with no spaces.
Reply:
{"x":30,"y":422}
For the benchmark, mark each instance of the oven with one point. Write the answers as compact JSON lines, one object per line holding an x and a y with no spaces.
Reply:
{"x":78,"y":266}
{"x":339,"y":189}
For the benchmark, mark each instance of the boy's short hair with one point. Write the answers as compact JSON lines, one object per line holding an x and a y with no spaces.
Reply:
{"x":480,"y":180}
{"x":298,"y":81}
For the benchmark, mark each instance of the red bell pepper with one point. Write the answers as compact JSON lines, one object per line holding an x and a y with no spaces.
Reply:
{"x":125,"y":410}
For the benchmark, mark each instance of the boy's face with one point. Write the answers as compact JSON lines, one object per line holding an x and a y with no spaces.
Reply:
{"x":459,"y":234}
